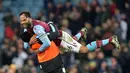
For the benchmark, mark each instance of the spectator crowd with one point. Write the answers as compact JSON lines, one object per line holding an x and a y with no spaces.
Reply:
{"x":102,"y":18}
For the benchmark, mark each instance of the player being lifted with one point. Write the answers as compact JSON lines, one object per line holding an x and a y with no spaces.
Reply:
{"x":62,"y":39}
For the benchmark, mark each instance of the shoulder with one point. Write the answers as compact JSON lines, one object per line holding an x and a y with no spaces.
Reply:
{"x":39,"y":22}
{"x":37,"y":27}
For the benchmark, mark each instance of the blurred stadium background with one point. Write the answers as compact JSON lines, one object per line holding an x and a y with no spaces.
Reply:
{"x":103,"y":18}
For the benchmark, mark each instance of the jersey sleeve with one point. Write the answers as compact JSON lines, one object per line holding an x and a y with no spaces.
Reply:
{"x":42,"y":35}
{"x":25,"y":44}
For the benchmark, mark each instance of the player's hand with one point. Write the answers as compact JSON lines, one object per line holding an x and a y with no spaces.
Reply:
{"x":33,"y":40}
{"x":37,"y":51}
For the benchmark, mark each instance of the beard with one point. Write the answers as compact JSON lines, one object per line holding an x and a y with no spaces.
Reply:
{"x":27,"y":25}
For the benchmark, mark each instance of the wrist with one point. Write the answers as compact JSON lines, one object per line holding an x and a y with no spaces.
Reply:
{"x":38,"y":51}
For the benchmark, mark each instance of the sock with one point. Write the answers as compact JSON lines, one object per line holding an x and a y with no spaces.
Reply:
{"x":78,"y":35}
{"x":97,"y":44}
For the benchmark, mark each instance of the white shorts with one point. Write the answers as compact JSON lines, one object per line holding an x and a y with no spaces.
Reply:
{"x":68,"y":43}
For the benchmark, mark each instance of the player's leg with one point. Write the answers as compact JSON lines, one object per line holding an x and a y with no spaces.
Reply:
{"x":81,"y":33}
{"x":97,"y":44}
{"x":70,"y":44}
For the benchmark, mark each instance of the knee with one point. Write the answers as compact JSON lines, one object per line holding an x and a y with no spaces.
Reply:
{"x":83,"y":49}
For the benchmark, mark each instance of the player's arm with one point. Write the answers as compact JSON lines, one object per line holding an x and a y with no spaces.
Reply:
{"x":54,"y":33}
{"x":42,"y":36}
{"x":26,"y":45}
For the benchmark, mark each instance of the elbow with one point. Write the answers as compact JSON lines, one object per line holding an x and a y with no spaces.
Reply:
{"x":44,"y":46}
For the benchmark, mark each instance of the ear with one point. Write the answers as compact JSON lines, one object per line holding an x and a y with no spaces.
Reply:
{"x":25,"y":36}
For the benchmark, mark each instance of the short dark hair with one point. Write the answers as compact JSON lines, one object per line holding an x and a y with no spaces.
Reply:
{"x":27,"y":14}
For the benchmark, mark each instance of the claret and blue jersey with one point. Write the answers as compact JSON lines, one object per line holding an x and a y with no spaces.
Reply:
{"x":40,"y":29}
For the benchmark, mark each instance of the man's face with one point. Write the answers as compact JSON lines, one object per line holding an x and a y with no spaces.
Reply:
{"x":25,"y":22}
